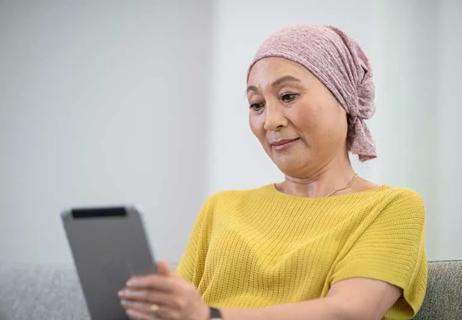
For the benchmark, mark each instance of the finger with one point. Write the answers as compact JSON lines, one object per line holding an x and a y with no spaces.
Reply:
{"x":152,"y":281}
{"x":136,"y":305}
{"x":163,"y":268}
{"x":137,"y":315}
{"x":147,"y":296}
{"x":167,"y":313}
{"x":164,"y":312}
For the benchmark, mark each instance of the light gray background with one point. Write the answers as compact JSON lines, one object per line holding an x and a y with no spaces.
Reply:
{"x":143,"y":102}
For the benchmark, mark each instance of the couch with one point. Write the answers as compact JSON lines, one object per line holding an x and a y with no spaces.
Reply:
{"x":53,"y":292}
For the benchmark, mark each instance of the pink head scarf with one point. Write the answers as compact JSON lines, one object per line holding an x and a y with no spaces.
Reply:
{"x":340,"y":64}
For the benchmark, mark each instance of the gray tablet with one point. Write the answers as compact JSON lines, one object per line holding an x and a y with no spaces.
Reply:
{"x":109,"y":245}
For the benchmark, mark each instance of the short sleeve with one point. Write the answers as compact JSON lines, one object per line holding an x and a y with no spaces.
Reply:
{"x":392,"y":249}
{"x":191,"y":264}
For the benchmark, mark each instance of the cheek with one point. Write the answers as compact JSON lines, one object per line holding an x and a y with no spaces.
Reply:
{"x":255,"y":125}
{"x":321,"y":130}
{"x":306,"y":120}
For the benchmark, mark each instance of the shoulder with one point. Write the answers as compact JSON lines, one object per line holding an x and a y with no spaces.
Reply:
{"x":402,"y":203}
{"x":397,"y":193}
{"x":405,"y":196}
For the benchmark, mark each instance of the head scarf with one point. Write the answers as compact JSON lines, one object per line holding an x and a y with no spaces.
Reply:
{"x":340,"y":64}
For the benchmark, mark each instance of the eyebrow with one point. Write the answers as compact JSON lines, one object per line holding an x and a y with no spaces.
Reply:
{"x":275,"y":83}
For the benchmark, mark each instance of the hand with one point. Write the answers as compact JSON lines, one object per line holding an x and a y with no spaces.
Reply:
{"x":176,"y":298}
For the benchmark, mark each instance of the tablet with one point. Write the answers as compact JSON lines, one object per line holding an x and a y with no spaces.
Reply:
{"x":109,"y":245}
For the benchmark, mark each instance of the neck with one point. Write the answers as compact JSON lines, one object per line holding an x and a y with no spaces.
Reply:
{"x":333,"y":175}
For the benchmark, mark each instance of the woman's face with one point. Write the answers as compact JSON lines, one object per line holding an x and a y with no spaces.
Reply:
{"x":299,"y":123}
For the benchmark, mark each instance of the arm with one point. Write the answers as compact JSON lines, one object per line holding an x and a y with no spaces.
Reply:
{"x":354,"y":298}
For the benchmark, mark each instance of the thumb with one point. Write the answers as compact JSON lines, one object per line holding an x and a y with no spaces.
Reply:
{"x":163,"y":268}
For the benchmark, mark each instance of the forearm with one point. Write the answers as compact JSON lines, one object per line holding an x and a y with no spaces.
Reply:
{"x":323,"y":308}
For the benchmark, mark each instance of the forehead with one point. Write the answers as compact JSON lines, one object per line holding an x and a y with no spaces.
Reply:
{"x":268,"y":69}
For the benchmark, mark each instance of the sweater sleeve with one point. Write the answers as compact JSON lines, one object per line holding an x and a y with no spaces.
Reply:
{"x":191,"y":264}
{"x":392,"y":249}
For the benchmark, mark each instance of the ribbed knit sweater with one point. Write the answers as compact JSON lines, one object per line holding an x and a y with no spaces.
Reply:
{"x":260,"y":247}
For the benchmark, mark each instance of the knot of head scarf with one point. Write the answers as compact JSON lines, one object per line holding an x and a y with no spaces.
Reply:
{"x":340,"y":64}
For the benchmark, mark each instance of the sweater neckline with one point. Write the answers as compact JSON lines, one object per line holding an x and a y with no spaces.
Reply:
{"x":274,"y":191}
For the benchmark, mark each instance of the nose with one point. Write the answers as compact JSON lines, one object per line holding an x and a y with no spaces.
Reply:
{"x":275,"y":118}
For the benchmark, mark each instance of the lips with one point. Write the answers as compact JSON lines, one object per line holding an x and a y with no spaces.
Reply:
{"x":282,"y":142}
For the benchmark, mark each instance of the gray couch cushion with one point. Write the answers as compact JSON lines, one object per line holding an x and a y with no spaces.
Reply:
{"x":443,"y":299}
{"x":40,"y":292}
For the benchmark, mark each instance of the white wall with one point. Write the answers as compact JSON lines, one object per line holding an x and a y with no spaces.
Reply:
{"x":446,"y":219}
{"x":101,"y":103}
{"x":144,"y":102}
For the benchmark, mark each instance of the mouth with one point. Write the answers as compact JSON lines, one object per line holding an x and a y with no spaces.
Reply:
{"x":283,"y":144}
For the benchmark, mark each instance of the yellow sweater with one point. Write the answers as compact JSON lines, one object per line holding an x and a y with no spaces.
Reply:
{"x":260,"y":247}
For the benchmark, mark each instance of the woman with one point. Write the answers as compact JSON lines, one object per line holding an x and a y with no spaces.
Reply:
{"x":324,"y":243}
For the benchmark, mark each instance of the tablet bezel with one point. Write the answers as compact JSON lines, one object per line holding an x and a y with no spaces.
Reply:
{"x":108,"y":246}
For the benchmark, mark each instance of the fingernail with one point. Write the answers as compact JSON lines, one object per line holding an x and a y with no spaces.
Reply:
{"x":123,"y":301}
{"x":120,"y":293}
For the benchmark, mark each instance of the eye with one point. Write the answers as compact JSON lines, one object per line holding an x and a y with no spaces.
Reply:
{"x":256,"y":106}
{"x":288,"y":97}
